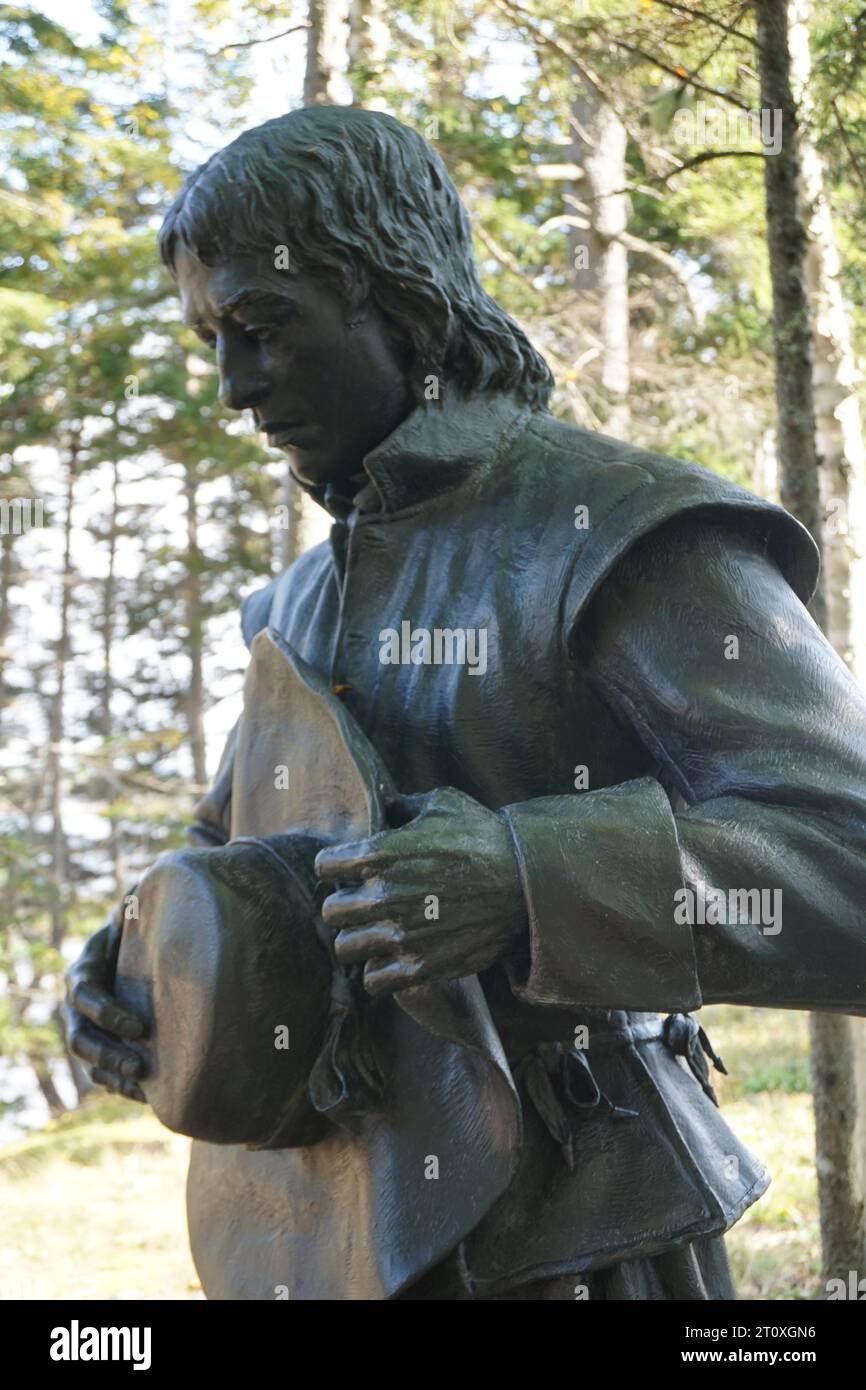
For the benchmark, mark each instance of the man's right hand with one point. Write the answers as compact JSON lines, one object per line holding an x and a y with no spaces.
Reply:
{"x":97,"y":1027}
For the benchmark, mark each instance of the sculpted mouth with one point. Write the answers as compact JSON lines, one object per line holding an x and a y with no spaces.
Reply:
{"x":278,"y":426}
{"x":281,"y":432}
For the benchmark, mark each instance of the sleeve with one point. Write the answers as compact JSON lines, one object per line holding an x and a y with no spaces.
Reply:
{"x":736,"y":872}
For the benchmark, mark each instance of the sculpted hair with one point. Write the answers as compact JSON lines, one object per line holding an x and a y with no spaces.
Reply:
{"x":364,"y":202}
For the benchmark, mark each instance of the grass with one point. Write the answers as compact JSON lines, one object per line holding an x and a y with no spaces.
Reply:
{"x":775,"y":1250}
{"x":93,"y":1205}
{"x":93,"y":1208}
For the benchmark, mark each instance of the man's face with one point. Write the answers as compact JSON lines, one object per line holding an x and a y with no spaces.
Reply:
{"x":320,"y":389}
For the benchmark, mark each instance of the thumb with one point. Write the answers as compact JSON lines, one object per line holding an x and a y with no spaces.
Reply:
{"x":400,"y":810}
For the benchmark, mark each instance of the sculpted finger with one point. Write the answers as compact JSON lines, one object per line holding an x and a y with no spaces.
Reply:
{"x":106,"y":1056}
{"x":353,"y":906}
{"x":116,"y":1086}
{"x":371,"y":903}
{"x":450,"y":953}
{"x":428,"y":954}
{"x":133,"y":1091}
{"x":103,"y":1010}
{"x":78,"y":1036}
{"x":358,"y":860}
{"x":106,"y":1079}
{"x":355,"y":947}
{"x":388,"y":976}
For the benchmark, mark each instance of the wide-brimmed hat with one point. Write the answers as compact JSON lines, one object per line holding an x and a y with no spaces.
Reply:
{"x":225,"y":963}
{"x":225,"y":955}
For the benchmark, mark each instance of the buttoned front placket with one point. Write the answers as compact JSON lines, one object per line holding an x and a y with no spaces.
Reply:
{"x":345,"y":544}
{"x":429,"y":453}
{"x":347,"y":535}
{"x":340,"y":539}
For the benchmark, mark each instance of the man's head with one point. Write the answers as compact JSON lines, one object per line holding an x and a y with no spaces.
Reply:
{"x":328,"y":258}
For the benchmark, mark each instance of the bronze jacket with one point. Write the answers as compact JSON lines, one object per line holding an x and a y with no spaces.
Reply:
{"x":681,"y":758}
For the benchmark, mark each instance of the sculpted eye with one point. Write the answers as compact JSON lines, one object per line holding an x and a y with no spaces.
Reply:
{"x":259,"y":333}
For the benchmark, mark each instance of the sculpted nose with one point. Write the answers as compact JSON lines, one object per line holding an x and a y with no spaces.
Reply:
{"x":243,"y":385}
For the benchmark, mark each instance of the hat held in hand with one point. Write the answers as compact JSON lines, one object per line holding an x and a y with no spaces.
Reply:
{"x":225,"y":963}
{"x":227,"y":958}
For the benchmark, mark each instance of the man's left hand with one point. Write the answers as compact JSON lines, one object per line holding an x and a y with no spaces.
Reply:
{"x":436,"y":899}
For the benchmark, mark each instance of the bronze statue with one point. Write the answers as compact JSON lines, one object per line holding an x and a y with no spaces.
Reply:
{"x":564,"y":752}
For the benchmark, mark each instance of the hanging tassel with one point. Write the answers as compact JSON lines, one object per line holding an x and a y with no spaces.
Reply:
{"x":686,"y":1038}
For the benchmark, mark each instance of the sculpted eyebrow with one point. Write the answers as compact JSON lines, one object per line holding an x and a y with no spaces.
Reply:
{"x":251,"y":297}
{"x":273,"y":303}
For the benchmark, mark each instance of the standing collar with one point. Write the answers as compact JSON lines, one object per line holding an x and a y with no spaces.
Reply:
{"x":429,"y":452}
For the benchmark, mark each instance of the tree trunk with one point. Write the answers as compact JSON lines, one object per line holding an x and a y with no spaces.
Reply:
{"x":369,"y":39}
{"x":326,"y":49}
{"x":7,"y":574}
{"x":839,"y":432}
{"x":195,"y":630}
{"x":786,"y":244}
{"x":838,"y":1042}
{"x":292,"y":535}
{"x":599,"y":148}
{"x":107,"y":636}
{"x":57,"y":721}
{"x":45,"y":1082}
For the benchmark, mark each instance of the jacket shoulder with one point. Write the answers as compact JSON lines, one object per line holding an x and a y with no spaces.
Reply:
{"x":257,"y":607}
{"x":627,"y":492}
{"x":570,"y":449}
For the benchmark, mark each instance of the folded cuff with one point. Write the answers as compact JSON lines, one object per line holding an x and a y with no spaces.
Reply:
{"x":599,"y":874}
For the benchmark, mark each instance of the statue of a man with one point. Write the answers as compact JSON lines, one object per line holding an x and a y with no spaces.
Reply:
{"x":633,"y":771}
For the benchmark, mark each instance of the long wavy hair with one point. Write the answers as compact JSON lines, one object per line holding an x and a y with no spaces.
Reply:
{"x":364,"y":202}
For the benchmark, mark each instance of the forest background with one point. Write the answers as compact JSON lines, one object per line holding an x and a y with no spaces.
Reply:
{"x":625,"y":175}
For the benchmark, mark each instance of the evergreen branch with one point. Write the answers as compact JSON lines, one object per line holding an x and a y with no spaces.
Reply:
{"x":689,"y":12}
{"x":846,"y":140}
{"x":251,"y":43}
{"x":675,"y":70}
{"x":703,"y":158}
{"x":502,"y":255}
